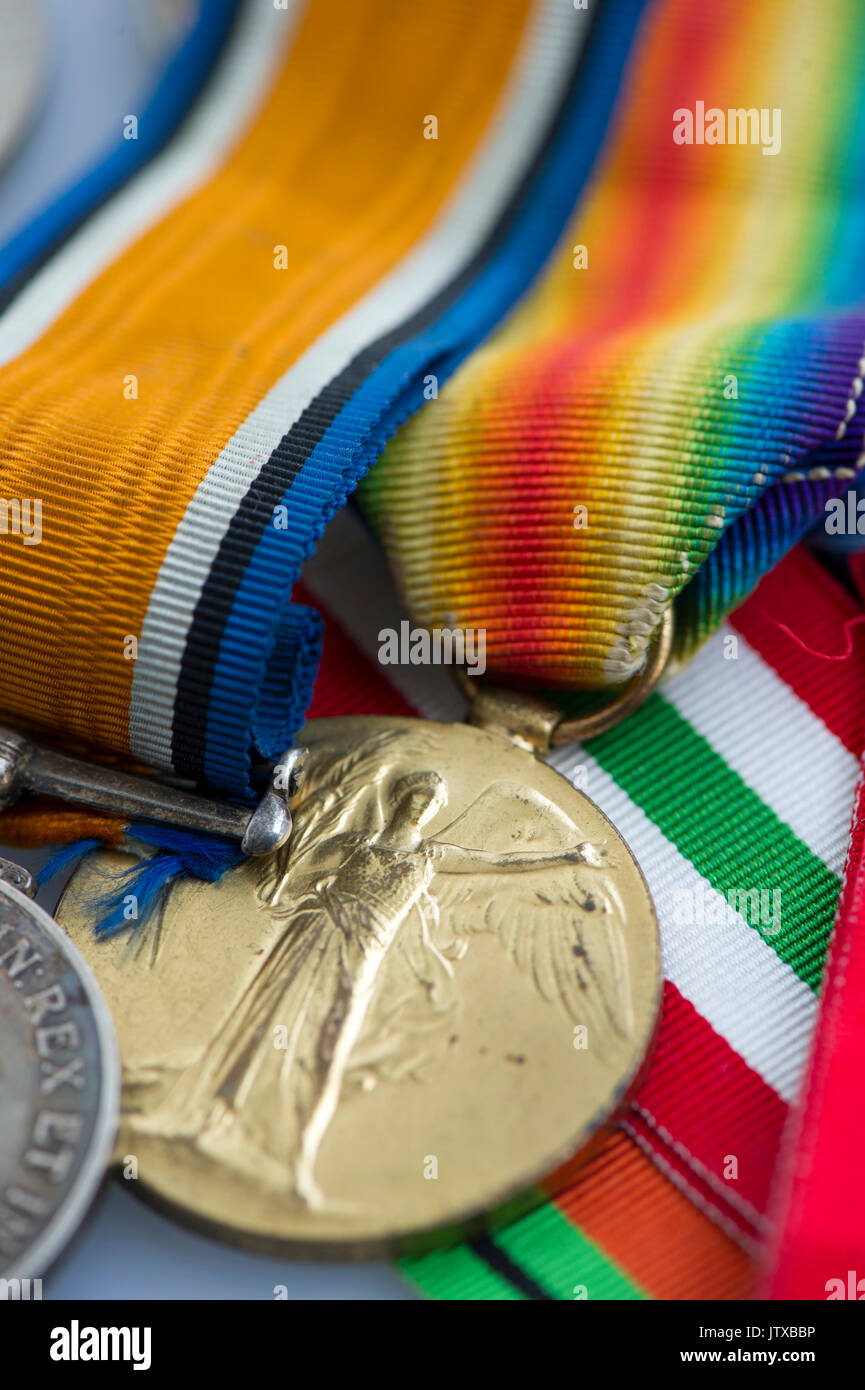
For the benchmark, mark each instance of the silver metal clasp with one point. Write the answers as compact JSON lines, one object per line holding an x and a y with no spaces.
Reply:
{"x":18,"y":877}
{"x":26,"y":766}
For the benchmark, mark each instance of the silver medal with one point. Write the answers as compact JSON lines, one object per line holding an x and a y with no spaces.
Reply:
{"x":59,"y":1084}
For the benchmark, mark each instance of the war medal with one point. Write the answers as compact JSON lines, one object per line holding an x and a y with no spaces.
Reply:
{"x":434,"y":994}
{"x":59,"y":1068}
{"x":59,"y":1085}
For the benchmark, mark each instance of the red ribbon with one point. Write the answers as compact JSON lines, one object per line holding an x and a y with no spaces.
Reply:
{"x":819,"y":1247}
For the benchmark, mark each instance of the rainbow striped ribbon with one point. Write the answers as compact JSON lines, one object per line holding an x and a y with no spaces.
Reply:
{"x":674,"y":404}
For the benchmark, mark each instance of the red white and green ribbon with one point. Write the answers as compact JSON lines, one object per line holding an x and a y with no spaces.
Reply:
{"x":736,"y":779}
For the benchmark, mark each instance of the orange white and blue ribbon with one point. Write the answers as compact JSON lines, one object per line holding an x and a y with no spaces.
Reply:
{"x":194,"y":383}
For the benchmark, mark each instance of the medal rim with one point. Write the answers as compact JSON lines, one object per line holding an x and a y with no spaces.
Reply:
{"x":31,"y":56}
{"x":512,"y":1199}
{"x":72,"y":1209}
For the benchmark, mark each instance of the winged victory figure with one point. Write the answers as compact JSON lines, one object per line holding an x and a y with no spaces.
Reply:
{"x":359,"y":985}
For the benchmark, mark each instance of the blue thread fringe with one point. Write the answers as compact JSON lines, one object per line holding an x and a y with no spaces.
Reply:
{"x":180,"y":854}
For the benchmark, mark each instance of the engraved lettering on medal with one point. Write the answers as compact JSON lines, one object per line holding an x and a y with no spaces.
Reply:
{"x":55,"y":1139}
{"x":45,"y":1001}
{"x":71,"y":1073}
{"x":19,"y":957}
{"x":40,"y":1155}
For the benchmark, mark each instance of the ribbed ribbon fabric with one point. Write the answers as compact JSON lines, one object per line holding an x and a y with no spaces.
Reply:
{"x":193,"y":385}
{"x":186,"y":71}
{"x":674,"y":404}
{"x":818,"y":1246}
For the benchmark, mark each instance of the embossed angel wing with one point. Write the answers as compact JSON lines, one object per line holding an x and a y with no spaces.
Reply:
{"x":555,"y":908}
{"x":336,"y":784}
{"x":337,"y":790}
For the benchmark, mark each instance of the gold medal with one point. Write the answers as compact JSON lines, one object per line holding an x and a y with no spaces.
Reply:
{"x":439,"y":991}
